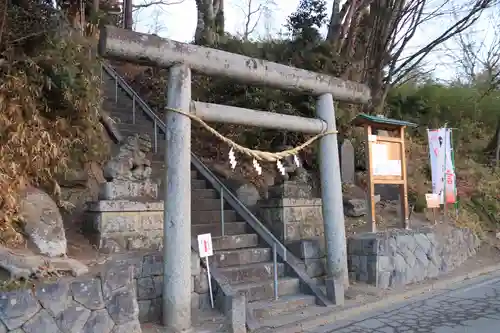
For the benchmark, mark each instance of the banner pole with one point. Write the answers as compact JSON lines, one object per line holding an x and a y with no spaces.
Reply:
{"x":445,"y":208}
{"x":454,"y":172}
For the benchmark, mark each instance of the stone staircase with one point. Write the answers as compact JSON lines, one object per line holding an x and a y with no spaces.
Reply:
{"x":240,"y":256}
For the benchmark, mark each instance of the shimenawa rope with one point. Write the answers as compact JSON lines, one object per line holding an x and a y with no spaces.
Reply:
{"x":263,"y":156}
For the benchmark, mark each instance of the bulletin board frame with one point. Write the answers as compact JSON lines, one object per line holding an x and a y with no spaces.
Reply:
{"x":385,"y":160}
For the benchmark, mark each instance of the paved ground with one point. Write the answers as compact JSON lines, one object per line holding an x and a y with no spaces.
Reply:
{"x":469,"y":307}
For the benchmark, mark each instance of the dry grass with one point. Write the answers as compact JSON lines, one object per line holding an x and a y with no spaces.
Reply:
{"x":49,"y":109}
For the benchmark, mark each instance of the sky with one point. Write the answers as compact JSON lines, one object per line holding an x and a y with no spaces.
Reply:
{"x":178,"y":22}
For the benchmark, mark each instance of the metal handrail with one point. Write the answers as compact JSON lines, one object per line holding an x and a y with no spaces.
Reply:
{"x":240,"y":208}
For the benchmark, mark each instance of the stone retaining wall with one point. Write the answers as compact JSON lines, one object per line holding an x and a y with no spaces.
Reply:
{"x":149,"y":285}
{"x":400,"y":257}
{"x":125,"y":292}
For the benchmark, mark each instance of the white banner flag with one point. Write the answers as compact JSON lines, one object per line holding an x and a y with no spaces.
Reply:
{"x":442,"y":168}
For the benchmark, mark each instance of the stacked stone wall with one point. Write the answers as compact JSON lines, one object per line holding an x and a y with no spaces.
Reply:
{"x":400,"y":257}
{"x":122,"y":293}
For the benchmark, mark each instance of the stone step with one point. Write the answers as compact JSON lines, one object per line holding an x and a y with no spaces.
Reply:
{"x":231,"y":228}
{"x":204,"y":205}
{"x":198,"y":184}
{"x":158,"y":171}
{"x":109,"y":98}
{"x":110,"y":89}
{"x":252,"y":272}
{"x":196,"y":194}
{"x":213,"y":216}
{"x":302,"y":320}
{"x":127,"y":122}
{"x":258,"y":291}
{"x":283,"y":305}
{"x":235,"y":242}
{"x":120,"y":107}
{"x":241,"y":256}
{"x":124,"y":115}
{"x":148,"y":129}
{"x":205,"y":193}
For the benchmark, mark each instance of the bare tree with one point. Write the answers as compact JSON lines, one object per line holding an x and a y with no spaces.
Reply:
{"x":268,"y":21}
{"x":377,"y":32}
{"x":477,"y":59}
{"x":129,"y":9}
{"x":127,"y":14}
{"x":477,"y":62}
{"x":156,"y":25}
{"x":254,"y":10}
{"x":136,"y":18}
{"x":210,"y":24}
{"x":160,"y":3}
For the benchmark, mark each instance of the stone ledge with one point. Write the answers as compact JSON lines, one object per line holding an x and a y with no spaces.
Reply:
{"x":289,"y":202}
{"x":113,"y":242}
{"x":400,"y":257}
{"x":110,"y":222}
{"x":123,"y":189}
{"x":124,"y":206}
{"x":123,"y":225}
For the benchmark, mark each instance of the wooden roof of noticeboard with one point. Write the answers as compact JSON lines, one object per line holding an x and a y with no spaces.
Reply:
{"x":380,"y":122}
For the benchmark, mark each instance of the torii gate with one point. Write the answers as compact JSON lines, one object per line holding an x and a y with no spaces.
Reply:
{"x":152,"y":50}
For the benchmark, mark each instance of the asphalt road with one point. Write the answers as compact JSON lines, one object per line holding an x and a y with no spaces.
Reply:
{"x":472,"y":306}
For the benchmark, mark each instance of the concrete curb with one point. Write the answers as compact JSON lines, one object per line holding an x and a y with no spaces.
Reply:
{"x":333,"y":316}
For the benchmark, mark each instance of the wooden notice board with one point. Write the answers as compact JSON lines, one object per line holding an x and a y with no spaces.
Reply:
{"x":385,"y":159}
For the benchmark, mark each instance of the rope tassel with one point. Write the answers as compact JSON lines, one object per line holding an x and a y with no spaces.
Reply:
{"x":280,"y":167}
{"x":257,"y":167}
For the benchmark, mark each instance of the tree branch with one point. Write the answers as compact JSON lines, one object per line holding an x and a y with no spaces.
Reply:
{"x":159,"y":3}
{"x":400,"y":70}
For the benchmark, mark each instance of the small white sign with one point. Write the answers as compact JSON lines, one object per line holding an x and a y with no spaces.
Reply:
{"x":205,"y":249}
{"x":372,"y":138}
{"x":205,"y":245}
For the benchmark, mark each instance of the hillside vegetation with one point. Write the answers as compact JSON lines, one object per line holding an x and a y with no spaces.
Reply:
{"x":49,"y":106}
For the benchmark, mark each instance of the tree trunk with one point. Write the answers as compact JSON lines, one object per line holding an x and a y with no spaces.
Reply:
{"x":3,"y":21}
{"x":210,"y":25}
{"x":128,"y":21}
{"x":76,"y":15}
{"x":494,"y":145}
{"x":95,"y":9}
{"x":375,"y":80}
{"x":335,"y":21}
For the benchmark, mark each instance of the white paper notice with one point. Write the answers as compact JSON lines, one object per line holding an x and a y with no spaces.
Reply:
{"x":382,"y":166}
{"x":393,"y":168}
{"x":379,"y":158}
